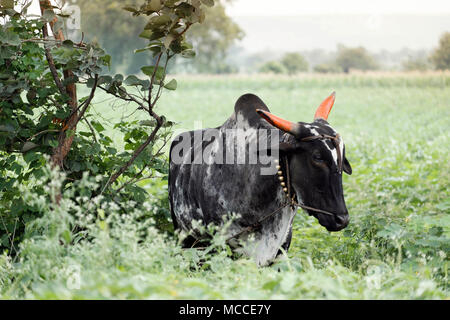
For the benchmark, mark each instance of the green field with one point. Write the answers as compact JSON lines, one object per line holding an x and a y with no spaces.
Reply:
{"x":397,"y":245}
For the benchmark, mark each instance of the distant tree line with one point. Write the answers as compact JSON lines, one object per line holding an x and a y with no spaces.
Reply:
{"x":357,"y":58}
{"x":217,"y":51}
{"x":104,"y":21}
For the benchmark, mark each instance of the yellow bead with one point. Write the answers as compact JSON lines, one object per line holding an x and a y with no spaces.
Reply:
{"x":281,"y":178}
{"x":280,"y":173}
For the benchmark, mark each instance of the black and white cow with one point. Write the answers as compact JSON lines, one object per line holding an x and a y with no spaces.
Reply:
{"x":204,"y":185}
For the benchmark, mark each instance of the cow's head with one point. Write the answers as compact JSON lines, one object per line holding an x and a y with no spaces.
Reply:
{"x":316,"y":157}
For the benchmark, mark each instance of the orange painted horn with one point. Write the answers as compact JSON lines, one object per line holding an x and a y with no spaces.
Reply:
{"x":325,"y":107}
{"x":278,"y":122}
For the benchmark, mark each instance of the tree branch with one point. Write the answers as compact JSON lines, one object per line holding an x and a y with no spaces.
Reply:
{"x":51,"y":63}
{"x":64,"y":142}
{"x":136,"y":153}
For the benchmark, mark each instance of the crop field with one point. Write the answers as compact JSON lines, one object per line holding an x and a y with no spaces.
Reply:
{"x":396,"y":128}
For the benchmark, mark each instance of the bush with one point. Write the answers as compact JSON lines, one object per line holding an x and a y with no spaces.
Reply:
{"x":441,"y":55}
{"x":294,"y":63}
{"x":415,"y":65}
{"x":327,"y":68}
{"x":355,"y":58}
{"x":273,"y":67}
{"x":42,"y":114}
{"x":122,"y":256}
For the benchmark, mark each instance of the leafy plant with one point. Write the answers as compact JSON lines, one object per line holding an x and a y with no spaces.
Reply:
{"x":41,"y":114}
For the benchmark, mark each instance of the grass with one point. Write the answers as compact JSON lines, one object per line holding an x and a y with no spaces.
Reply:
{"x":396,"y":130}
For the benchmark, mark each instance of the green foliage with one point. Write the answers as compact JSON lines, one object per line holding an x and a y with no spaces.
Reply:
{"x":415,"y":65}
{"x":212,"y":38}
{"x":395,"y":247}
{"x":273,"y":67}
{"x":66,"y":236}
{"x":290,"y":63}
{"x":327,"y":68}
{"x":355,"y":58}
{"x":441,"y":55}
{"x":294,"y":63}
{"x":30,"y":101}
{"x":35,"y":110}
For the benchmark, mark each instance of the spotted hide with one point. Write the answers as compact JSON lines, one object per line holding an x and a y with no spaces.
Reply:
{"x":205,"y":186}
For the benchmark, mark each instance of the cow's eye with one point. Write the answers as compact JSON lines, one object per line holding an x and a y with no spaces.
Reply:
{"x":317,"y":157}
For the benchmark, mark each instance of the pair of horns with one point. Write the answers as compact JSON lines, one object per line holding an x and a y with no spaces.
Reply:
{"x":322,"y":113}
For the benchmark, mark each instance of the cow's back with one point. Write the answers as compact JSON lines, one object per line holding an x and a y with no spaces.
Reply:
{"x":205,"y":190}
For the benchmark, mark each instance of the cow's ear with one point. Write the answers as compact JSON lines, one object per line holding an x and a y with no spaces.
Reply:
{"x":286,"y":147}
{"x":347,"y":167}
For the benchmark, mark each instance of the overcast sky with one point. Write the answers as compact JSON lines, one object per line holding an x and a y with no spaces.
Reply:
{"x":299,"y":7}
{"x":307,"y":24}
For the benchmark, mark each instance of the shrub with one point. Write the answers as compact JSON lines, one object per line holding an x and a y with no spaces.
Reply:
{"x":355,"y":58}
{"x":415,"y":65}
{"x":42,"y":115}
{"x":294,"y":63}
{"x":273,"y":67}
{"x":441,"y":55}
{"x":327,"y":68}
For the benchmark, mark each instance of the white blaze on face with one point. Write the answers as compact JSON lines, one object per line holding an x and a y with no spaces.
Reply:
{"x":312,"y":129}
{"x":333,"y":152}
{"x":341,"y":147}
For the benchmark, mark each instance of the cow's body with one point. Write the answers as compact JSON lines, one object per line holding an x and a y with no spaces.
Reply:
{"x":208,"y":192}
{"x":204,"y":189}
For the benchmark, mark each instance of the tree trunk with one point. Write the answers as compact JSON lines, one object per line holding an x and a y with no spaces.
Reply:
{"x":64,"y":141}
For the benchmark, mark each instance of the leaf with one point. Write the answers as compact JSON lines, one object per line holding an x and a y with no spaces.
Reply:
{"x":270,"y":285}
{"x":168,"y":40}
{"x":154,"y":47}
{"x":154,"y":5}
{"x":151,"y":69}
{"x":172,"y":85}
{"x":67,"y":236}
{"x":29,"y":146}
{"x":146,"y":34}
{"x":53,"y":143}
{"x":76,"y":166}
{"x":132,"y":81}
{"x":130,"y":9}
{"x":157,"y":22}
{"x":188,"y":53}
{"x":98,"y":127}
{"x":68,"y":43}
{"x":147,"y":123}
{"x":208,"y":3}
{"x":6,"y":128}
{"x":10,"y":37}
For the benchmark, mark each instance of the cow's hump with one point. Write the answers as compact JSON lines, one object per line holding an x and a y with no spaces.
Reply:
{"x":246,"y":107}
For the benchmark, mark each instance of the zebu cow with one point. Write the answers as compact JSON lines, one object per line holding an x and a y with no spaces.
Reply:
{"x":307,"y":161}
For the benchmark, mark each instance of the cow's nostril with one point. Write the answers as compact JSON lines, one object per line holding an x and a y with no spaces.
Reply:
{"x":342,"y":220}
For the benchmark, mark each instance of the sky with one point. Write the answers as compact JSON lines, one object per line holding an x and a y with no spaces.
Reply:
{"x":299,"y":25}
{"x":300,"y":7}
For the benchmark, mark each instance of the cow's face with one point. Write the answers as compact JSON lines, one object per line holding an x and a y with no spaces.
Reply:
{"x":316,"y":174}
{"x":316,"y":157}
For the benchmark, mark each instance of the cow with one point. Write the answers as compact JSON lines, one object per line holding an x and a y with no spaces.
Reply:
{"x":305,"y":162}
